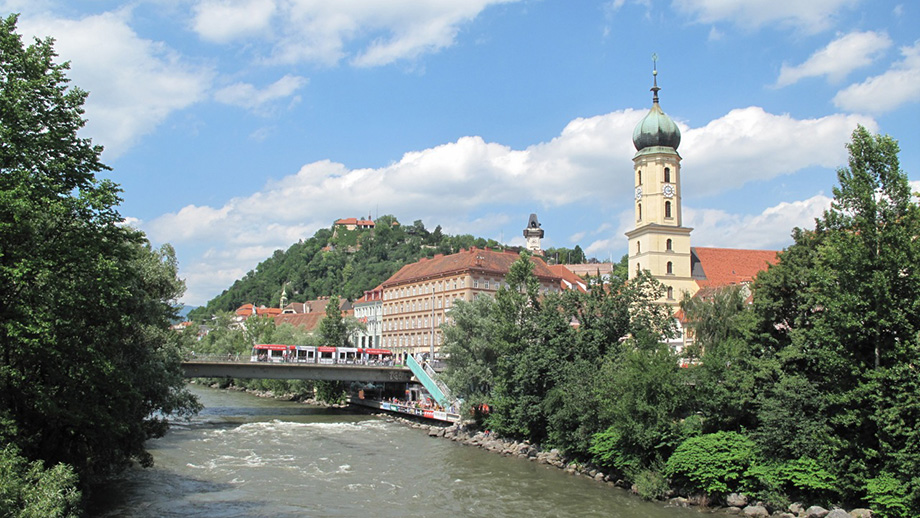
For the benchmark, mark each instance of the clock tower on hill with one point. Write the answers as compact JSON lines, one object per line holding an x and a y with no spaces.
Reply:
{"x":659,"y":243}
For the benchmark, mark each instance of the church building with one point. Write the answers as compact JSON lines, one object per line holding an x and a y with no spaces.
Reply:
{"x":660,"y":243}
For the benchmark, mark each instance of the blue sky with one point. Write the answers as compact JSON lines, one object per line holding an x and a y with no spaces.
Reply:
{"x":239,"y":127}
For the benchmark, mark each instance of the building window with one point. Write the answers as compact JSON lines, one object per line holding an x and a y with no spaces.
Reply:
{"x":667,"y":209}
{"x":668,"y":245}
{"x":670,"y":293}
{"x":640,"y":212}
{"x":638,"y":248}
{"x":639,"y":174}
{"x":667,"y":175}
{"x":670,"y":268}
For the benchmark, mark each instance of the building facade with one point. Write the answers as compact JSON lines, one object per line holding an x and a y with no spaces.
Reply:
{"x":369,"y":311}
{"x":417,"y":299}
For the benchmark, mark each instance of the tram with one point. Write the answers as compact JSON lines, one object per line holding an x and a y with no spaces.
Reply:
{"x":324,"y":355}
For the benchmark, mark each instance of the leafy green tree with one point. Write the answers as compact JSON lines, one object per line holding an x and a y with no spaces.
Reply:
{"x":472,"y":357}
{"x":841,"y":311}
{"x":332,"y":329}
{"x":88,"y":366}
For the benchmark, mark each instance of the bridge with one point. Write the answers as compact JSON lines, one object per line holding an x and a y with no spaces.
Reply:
{"x":295,"y":371}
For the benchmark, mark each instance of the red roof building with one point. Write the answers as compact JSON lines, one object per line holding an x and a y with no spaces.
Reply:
{"x":418,"y":298}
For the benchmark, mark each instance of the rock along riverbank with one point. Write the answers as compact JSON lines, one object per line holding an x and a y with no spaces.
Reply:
{"x":737,"y":505}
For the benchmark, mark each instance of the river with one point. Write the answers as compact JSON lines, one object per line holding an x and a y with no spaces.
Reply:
{"x":244,"y":456}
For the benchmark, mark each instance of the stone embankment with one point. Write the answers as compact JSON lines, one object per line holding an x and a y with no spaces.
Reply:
{"x":737,"y":505}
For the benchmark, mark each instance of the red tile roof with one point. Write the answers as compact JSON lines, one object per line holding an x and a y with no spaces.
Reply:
{"x":355,"y":221}
{"x":569,"y":280}
{"x":246,"y":311}
{"x":725,"y":266}
{"x":475,"y":259}
{"x":307,"y":321}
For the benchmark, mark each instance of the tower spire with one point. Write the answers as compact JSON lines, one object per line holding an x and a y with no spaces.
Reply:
{"x":655,"y":88}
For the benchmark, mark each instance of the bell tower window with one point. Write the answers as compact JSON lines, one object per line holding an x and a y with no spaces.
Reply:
{"x":668,"y":244}
{"x":640,"y":212}
{"x":670,"y":268}
{"x":638,"y":248}
{"x":670,"y":293}
{"x":667,"y":209}
{"x":667,"y":175}
{"x":639,"y":175}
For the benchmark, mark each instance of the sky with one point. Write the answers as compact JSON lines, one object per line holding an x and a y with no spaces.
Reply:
{"x":238,"y":127}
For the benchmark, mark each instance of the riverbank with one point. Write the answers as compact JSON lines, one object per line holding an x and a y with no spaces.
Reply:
{"x":736,"y":504}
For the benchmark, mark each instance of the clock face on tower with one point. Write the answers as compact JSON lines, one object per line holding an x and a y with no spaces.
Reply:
{"x":668,"y":191}
{"x":638,"y":193}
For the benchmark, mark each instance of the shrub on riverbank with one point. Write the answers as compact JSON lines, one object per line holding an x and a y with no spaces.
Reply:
{"x":28,"y":490}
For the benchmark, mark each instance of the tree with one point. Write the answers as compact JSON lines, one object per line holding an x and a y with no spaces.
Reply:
{"x":88,"y":366}
{"x":332,"y":328}
{"x":471,"y":355}
{"x":841,"y":311}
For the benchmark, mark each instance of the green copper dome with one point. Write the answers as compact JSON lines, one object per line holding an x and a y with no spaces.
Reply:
{"x":656,"y":129}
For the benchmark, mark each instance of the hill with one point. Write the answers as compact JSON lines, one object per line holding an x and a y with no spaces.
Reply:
{"x":343,"y":263}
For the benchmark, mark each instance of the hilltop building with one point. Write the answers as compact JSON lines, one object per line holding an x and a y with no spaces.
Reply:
{"x":533,"y":233}
{"x":418,"y":297}
{"x":355,"y":223}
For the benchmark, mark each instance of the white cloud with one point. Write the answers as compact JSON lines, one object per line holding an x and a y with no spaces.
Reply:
{"x":886,"y":92}
{"x":838,"y":58}
{"x":225,"y":20}
{"x":769,"y":230}
{"x":134,"y":83}
{"x":587,"y":166}
{"x":750,"y":144}
{"x":368,"y":32}
{"x":248,"y":96}
{"x":809,"y":15}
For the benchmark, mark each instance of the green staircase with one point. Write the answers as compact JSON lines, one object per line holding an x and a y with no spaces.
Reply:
{"x":428,"y":379}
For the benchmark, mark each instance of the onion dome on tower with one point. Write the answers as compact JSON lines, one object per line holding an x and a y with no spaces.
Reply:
{"x":656,"y":129}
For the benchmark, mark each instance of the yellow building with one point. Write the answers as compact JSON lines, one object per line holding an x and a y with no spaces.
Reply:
{"x":660,"y":243}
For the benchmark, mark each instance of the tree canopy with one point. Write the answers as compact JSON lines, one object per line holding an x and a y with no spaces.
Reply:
{"x":88,"y":367}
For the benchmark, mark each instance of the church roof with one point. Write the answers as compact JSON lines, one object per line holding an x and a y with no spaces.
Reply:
{"x":713,"y":267}
{"x":656,"y":129}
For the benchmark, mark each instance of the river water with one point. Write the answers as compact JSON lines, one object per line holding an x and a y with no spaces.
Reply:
{"x":244,"y":456}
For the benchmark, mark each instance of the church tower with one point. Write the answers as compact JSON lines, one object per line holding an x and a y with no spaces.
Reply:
{"x":659,"y":243}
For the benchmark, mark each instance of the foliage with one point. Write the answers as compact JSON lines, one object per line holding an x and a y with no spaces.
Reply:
{"x":332,"y":329}
{"x":841,"y":316}
{"x":651,"y":484}
{"x":715,"y":464}
{"x":28,"y":490}
{"x":331,"y":392}
{"x":802,"y":479}
{"x":88,"y":366}
{"x":889,"y":497}
{"x":471,"y":355}
{"x":647,"y":416}
{"x":345,"y":262}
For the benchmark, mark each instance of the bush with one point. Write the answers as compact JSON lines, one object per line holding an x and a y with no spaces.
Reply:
{"x":714,"y":464}
{"x":28,"y":490}
{"x":888,"y":497}
{"x":650,"y":484}
{"x":801,"y":479}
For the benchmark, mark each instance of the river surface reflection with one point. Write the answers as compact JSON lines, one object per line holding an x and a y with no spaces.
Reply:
{"x":245,"y":456}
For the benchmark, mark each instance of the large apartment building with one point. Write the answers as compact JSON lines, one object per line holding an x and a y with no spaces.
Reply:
{"x":417,"y":299}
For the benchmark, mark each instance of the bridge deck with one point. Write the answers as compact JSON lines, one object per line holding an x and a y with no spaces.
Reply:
{"x":295,"y":371}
